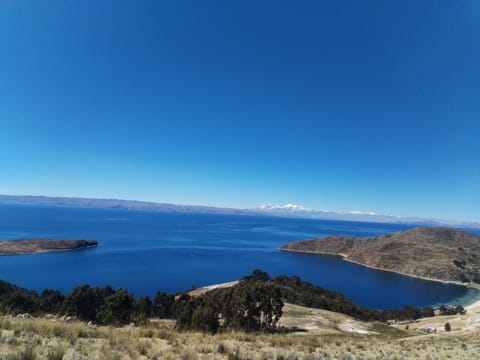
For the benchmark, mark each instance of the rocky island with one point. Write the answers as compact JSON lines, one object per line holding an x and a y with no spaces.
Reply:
{"x":435,"y":253}
{"x":32,"y":246}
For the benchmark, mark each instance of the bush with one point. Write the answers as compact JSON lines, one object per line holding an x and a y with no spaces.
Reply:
{"x":163,"y":306}
{"x":50,"y":301}
{"x":83,"y":303}
{"x":143,"y":310}
{"x":452,"y":310}
{"x":205,"y":318}
{"x":117,"y":309}
{"x":254,"y":304}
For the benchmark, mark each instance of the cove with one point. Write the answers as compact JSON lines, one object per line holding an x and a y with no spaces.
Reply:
{"x":144,"y":252}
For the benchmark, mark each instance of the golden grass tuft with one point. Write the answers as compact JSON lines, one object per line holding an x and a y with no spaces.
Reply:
{"x":55,"y":340}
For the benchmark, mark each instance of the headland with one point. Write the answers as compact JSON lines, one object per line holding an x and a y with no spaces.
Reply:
{"x":435,"y":254}
{"x":34,"y":246}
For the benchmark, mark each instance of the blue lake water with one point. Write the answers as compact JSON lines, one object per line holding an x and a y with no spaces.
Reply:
{"x":149,"y":251}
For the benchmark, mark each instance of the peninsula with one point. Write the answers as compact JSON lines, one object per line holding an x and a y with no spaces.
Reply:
{"x":435,"y":253}
{"x":32,"y":246}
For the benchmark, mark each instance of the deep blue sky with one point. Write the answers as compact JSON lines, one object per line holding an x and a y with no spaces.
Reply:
{"x":344,"y":105}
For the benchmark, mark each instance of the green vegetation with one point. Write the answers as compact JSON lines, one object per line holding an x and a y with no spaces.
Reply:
{"x":118,"y":308}
{"x":163,"y":306}
{"x":388,"y":331}
{"x":452,"y":310}
{"x":254,"y":304}
{"x":247,"y":306}
{"x":296,"y":291}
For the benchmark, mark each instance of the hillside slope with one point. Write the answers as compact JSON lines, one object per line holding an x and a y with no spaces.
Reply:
{"x":437,"y":253}
{"x":325,"y":335}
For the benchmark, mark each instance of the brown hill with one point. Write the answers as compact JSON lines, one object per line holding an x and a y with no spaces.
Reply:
{"x":437,"y":253}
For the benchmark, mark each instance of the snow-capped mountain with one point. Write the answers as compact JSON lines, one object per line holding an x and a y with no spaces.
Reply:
{"x":287,"y":210}
{"x":350,"y":215}
{"x":286,"y":207}
{"x":302,"y":209}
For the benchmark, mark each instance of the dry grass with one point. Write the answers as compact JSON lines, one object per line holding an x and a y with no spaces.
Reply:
{"x":54,"y":339}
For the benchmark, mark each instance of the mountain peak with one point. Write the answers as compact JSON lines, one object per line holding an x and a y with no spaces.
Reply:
{"x":286,"y":207}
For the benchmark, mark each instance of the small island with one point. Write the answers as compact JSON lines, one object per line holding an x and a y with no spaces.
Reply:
{"x":33,"y":246}
{"x":433,"y":253}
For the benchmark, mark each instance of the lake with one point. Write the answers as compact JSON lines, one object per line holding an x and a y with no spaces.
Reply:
{"x":149,"y":251}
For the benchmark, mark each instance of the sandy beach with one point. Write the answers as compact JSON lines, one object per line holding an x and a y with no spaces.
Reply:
{"x":474,"y":307}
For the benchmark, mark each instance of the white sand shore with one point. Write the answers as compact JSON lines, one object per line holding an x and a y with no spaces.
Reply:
{"x":474,"y":307}
{"x":205,"y":289}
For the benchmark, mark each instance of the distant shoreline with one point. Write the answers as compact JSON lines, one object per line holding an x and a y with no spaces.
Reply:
{"x":139,"y":205}
{"x":39,"y":246}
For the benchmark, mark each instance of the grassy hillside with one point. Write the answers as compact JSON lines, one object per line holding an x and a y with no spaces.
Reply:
{"x":328,"y":336}
{"x":438,"y":253}
{"x":301,"y":332}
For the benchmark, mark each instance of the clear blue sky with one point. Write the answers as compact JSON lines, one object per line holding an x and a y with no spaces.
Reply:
{"x":344,"y":105}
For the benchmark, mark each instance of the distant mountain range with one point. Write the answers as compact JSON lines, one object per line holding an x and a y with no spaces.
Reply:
{"x":357,"y":215}
{"x":301,"y":209}
{"x":114,"y":204}
{"x":288,"y":210}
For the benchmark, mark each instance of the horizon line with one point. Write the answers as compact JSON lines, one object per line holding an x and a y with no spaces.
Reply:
{"x":278,"y":210}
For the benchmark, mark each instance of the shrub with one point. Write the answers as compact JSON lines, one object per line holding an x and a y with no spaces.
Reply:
{"x":143,"y":310}
{"x":117,"y":309}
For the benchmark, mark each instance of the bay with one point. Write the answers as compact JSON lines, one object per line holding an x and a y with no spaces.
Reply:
{"x":144,"y":252}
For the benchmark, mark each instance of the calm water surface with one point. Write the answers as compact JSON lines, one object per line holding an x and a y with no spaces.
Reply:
{"x":149,"y":251}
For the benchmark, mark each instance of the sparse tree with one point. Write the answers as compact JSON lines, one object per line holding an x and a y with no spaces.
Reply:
{"x":460,"y":310}
{"x":82,"y":303}
{"x":143,"y":310}
{"x":117,"y":309}
{"x":205,"y":318}
{"x":50,"y":301}
{"x":163,"y":305}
